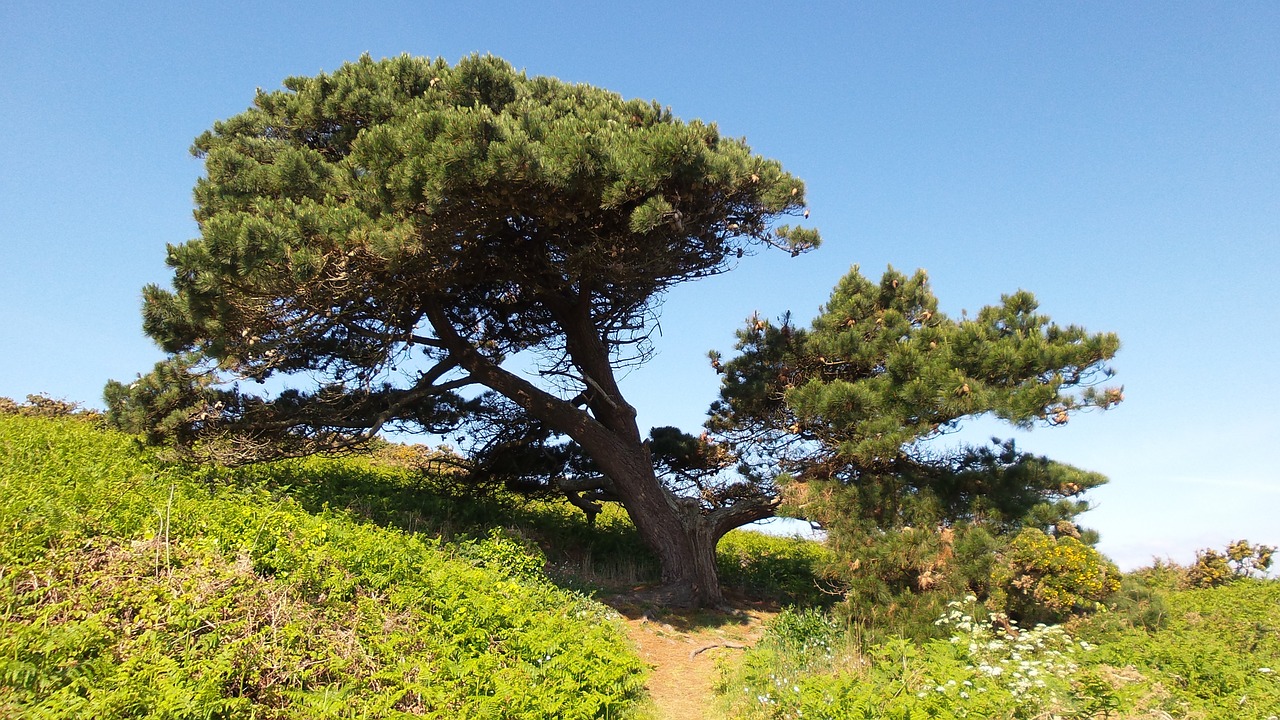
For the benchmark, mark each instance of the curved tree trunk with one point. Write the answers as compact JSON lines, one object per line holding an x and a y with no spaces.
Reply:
{"x":684,"y":541}
{"x":676,"y":529}
{"x":680,"y":531}
{"x":673,"y":528}
{"x":692,"y":567}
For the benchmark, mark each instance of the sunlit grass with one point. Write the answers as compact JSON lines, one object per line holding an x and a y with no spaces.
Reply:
{"x":134,"y":589}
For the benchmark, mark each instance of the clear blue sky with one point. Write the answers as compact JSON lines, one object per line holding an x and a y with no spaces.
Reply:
{"x":1120,"y":160}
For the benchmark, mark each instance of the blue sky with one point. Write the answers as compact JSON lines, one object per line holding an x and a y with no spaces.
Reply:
{"x":1120,"y":160}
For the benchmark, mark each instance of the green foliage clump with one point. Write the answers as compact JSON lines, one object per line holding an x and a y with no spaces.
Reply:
{"x":1046,"y":579}
{"x":805,"y":668}
{"x":507,"y":552}
{"x":881,"y":369}
{"x":1216,"y":655}
{"x":40,"y":405}
{"x":1211,"y":569}
{"x":134,"y":589}
{"x":895,"y":583}
{"x":1138,"y":603}
{"x":782,"y":569}
{"x":1208,"y":654}
{"x":1240,"y":560}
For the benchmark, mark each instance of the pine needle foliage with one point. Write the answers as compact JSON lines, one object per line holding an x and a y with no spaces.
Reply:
{"x":882,"y":369}
{"x":848,"y":416}
{"x":387,"y":239}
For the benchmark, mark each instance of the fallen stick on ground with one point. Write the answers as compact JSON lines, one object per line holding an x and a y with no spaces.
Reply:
{"x":732,"y":646}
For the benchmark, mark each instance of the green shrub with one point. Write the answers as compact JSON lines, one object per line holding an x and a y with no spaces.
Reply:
{"x":1210,"y":570}
{"x":507,"y":552}
{"x":804,"y":631}
{"x":896,"y":583}
{"x":1240,"y":560}
{"x":1139,"y":604}
{"x":801,"y":670}
{"x":783,"y":569}
{"x":1046,"y":579}
{"x":1217,"y":655}
{"x":45,"y":406}
{"x":1215,"y":658}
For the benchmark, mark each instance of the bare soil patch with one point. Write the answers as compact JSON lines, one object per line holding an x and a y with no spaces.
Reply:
{"x":684,"y":649}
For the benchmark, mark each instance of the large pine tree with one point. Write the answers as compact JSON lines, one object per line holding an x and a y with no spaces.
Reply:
{"x":398,"y":236}
{"x":849,"y":414}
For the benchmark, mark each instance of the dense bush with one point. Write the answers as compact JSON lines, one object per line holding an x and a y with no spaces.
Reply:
{"x":1239,"y":560}
{"x":896,"y":583}
{"x":132,"y":589}
{"x":44,"y":406}
{"x":767,"y":567}
{"x":1138,"y":603}
{"x":805,"y":668}
{"x":1208,"y":654}
{"x":1215,"y":656}
{"x":1041,"y":578}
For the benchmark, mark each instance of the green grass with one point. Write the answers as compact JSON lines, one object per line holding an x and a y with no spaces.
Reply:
{"x":1214,"y":655}
{"x":133,"y":589}
{"x":1208,"y":660}
{"x":605,"y":557}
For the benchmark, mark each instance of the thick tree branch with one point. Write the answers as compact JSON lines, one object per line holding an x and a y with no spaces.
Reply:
{"x":558,"y":414}
{"x":742,"y":512}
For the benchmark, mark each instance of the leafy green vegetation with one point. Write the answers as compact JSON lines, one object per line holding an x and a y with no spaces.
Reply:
{"x":806,"y":667}
{"x":1240,"y":560}
{"x":1186,"y":653}
{"x":1048,"y":579}
{"x":357,"y":587}
{"x":607,"y":555}
{"x":1215,"y":655}
{"x":782,"y":569}
{"x":134,"y":589}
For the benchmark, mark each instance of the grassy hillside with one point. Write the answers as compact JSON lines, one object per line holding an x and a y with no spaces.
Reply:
{"x":133,"y":589}
{"x":608,"y":557}
{"x":355,"y":587}
{"x":1207,"y":654}
{"x":1214,"y":654}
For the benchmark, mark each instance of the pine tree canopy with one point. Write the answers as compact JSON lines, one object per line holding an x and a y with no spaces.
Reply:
{"x":407,"y":245}
{"x":854,"y":398}
{"x":364,"y":226}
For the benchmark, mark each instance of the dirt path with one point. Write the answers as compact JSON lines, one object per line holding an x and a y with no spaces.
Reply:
{"x":683,"y":649}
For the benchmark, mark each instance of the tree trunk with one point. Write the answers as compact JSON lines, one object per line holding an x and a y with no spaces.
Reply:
{"x":674,"y":528}
{"x":684,"y":535}
{"x":684,"y":541}
{"x":689,"y":573}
